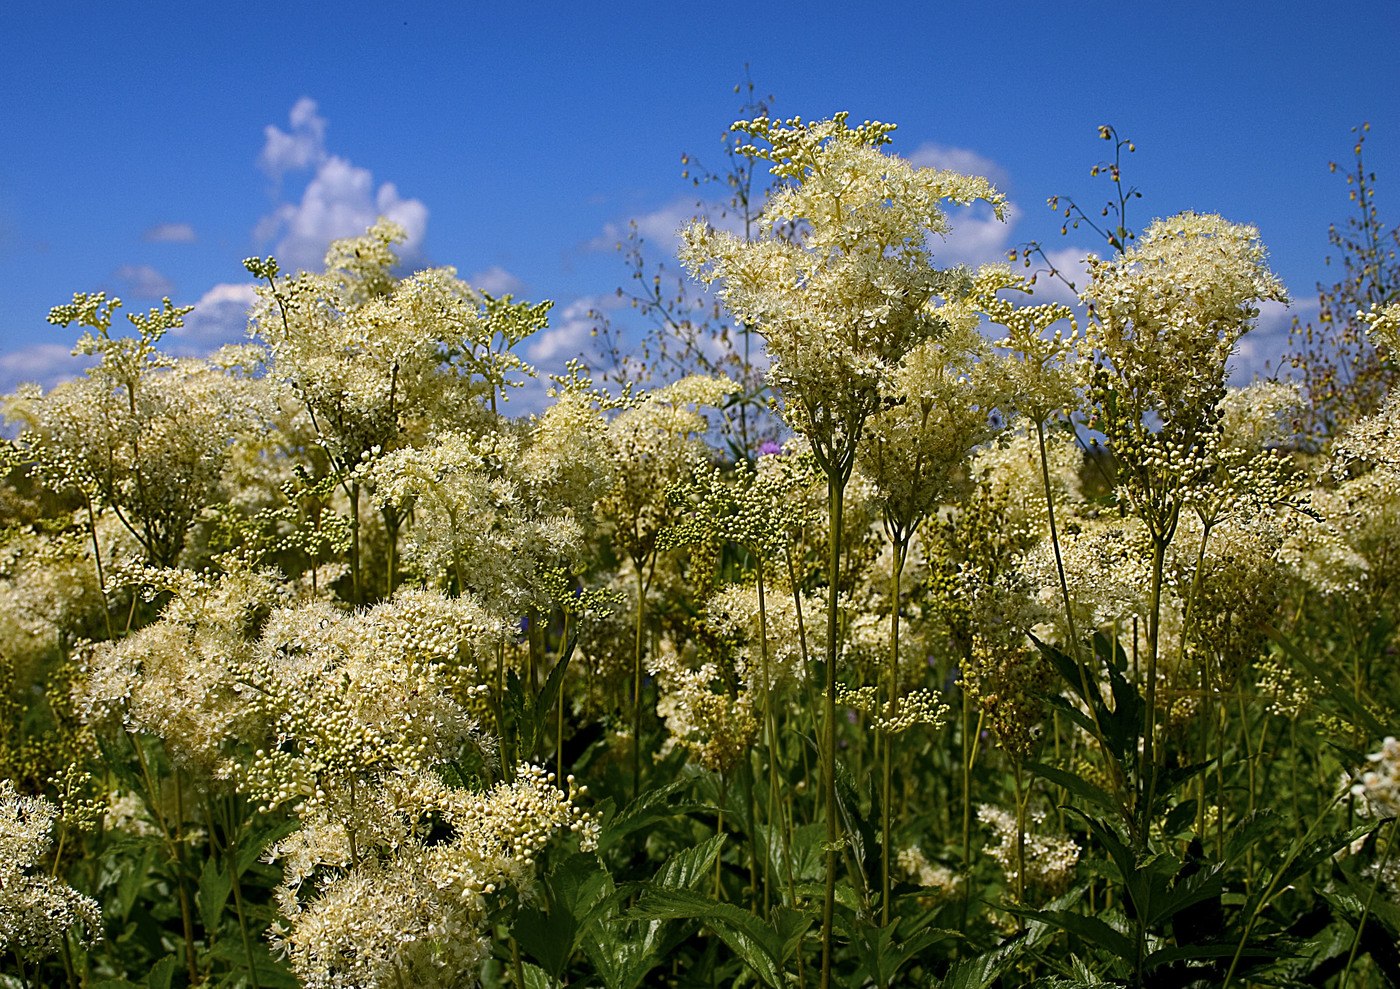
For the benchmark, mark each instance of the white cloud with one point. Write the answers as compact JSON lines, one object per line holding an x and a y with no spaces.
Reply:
{"x":570,"y":336}
{"x":45,"y":364}
{"x":340,"y":200}
{"x":496,"y":281}
{"x":1263,"y":350}
{"x":1069,"y":262}
{"x":220,"y":317}
{"x":964,"y":160}
{"x":170,"y":233}
{"x":143,"y":281}
{"x":977,"y":236}
{"x":298,"y":149}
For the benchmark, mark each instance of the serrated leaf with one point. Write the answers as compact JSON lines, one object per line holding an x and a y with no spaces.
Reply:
{"x":1091,"y":929}
{"x":686,"y":869}
{"x":161,"y":973}
{"x":538,"y":978}
{"x":1077,"y":785}
{"x":212,"y":894}
{"x":986,"y":968}
{"x":755,"y":943}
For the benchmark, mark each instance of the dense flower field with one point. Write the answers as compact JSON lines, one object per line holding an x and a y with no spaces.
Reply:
{"x":972,"y":641}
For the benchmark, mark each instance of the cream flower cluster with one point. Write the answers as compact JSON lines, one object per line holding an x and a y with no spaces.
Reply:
{"x":35,"y":908}
{"x":843,"y":303}
{"x":892,"y":717}
{"x":413,"y":907}
{"x":701,"y":716}
{"x":1049,"y":860}
{"x":1378,"y":787}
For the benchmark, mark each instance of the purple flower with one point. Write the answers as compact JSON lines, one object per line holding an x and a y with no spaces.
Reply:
{"x":768,"y":448}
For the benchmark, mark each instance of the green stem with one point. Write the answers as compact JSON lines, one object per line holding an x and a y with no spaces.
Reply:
{"x":899,"y":548}
{"x":637,"y":687}
{"x":835,"y":492}
{"x":1366,"y":911}
{"x":1147,"y":772}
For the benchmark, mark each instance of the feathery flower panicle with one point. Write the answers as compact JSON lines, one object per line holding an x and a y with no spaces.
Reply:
{"x":1105,"y":567}
{"x":347,"y":696}
{"x":1259,"y":415}
{"x":940,"y":406}
{"x":1353,"y":549}
{"x":1038,"y":375}
{"x":412,"y":905}
{"x":36,"y":909}
{"x":1049,"y":860}
{"x":654,"y":444}
{"x":712,"y":720}
{"x":567,"y":461}
{"x":1166,"y":318}
{"x":842,"y":303}
{"x":475,"y":527}
{"x":48,"y":589}
{"x":1008,"y":473}
{"x":1378,"y":786}
{"x":757,"y":506}
{"x":178,"y":677}
{"x":1228,"y":595}
{"x":1375,"y":441}
{"x":937,"y":877}
{"x":150,"y":443}
{"x":733,"y":613}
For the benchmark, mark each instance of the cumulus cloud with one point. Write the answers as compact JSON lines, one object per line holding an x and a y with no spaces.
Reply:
{"x":977,"y":236}
{"x":301,"y":147}
{"x":1262,"y":352}
{"x":570,"y":335}
{"x":143,"y":282}
{"x":1069,"y":262}
{"x":340,"y":199}
{"x":964,"y":160}
{"x":45,"y":364}
{"x":661,"y":227}
{"x":169,"y":233}
{"x":220,"y":317}
{"x":496,"y":281}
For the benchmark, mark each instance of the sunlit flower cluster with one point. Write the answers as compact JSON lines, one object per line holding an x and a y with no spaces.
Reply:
{"x":1049,"y":860}
{"x":36,"y":909}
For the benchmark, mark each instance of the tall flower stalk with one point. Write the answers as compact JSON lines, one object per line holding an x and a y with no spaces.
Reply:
{"x":1166,"y":317}
{"x":840,"y":305}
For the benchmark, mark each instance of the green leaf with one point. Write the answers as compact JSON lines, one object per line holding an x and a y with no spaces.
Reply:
{"x":688,"y":868}
{"x":577,"y":891}
{"x":161,"y":973}
{"x":1091,"y":929}
{"x":549,"y":693}
{"x":757,"y":945}
{"x":650,"y":807}
{"x":1205,"y":885}
{"x":884,"y":950}
{"x":212,"y":894}
{"x":1078,"y":786}
{"x":986,"y":968}
{"x":538,"y":978}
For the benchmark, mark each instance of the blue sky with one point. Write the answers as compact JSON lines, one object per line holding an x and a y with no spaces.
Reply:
{"x":146,"y":149}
